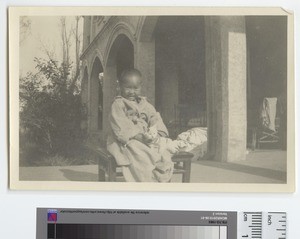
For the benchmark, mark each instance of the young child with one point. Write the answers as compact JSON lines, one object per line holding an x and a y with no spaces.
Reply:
{"x":136,"y":132}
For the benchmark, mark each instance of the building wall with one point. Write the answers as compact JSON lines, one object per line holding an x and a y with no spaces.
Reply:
{"x":172,"y":59}
{"x":192,"y":60}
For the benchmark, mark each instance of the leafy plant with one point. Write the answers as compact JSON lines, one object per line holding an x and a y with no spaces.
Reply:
{"x":50,"y":112}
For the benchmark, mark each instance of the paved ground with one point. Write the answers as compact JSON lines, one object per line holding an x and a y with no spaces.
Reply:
{"x":259,"y":167}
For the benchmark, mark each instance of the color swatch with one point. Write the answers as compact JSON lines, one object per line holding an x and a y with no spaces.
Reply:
{"x":124,"y":231}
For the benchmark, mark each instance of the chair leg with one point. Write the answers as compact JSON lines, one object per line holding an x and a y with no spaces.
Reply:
{"x":253,"y":146}
{"x":186,"y":176}
{"x":101,"y":172}
{"x":112,"y":174}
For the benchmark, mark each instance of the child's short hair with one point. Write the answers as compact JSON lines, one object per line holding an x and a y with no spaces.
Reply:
{"x":129,"y":72}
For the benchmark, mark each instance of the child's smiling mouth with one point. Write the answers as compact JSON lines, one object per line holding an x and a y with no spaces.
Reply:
{"x":131,"y":97}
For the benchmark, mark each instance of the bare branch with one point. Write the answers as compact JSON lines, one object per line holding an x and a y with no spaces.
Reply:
{"x":77,"y":53}
{"x":25,"y":28}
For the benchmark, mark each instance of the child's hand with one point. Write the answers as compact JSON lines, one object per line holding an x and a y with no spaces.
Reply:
{"x":153,"y":120}
{"x":139,"y":137}
{"x":148,"y":138}
{"x":143,"y":138}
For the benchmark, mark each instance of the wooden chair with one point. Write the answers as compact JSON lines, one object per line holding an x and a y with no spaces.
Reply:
{"x":260,"y":135}
{"x":108,"y":170}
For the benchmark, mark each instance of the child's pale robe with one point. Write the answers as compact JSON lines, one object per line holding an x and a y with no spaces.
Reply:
{"x":139,"y":162}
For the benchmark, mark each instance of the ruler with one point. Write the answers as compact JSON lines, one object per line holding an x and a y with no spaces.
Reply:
{"x":262,"y":225}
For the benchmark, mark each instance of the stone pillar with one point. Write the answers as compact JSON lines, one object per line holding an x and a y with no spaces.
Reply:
{"x":226,"y":87}
{"x":144,"y":61}
{"x":109,"y":93}
{"x":94,"y":99}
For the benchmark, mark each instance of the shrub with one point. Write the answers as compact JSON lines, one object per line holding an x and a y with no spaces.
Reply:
{"x":50,"y":112}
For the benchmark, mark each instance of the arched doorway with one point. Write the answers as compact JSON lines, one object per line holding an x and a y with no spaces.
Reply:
{"x":96,"y":97}
{"x":120,"y":57}
{"x":124,"y":58}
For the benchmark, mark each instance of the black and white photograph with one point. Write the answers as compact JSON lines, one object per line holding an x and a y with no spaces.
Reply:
{"x":151,"y":99}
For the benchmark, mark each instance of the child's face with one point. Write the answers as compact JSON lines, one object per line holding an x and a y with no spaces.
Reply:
{"x":131,"y":87}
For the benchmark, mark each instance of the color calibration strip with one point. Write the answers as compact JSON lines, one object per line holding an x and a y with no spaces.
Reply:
{"x":75,"y":223}
{"x":104,"y":231}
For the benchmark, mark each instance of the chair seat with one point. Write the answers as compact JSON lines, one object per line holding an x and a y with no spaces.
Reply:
{"x":108,"y":169}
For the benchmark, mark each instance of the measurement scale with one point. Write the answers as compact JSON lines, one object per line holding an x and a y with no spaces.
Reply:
{"x":262,"y":225}
{"x":158,"y":224}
